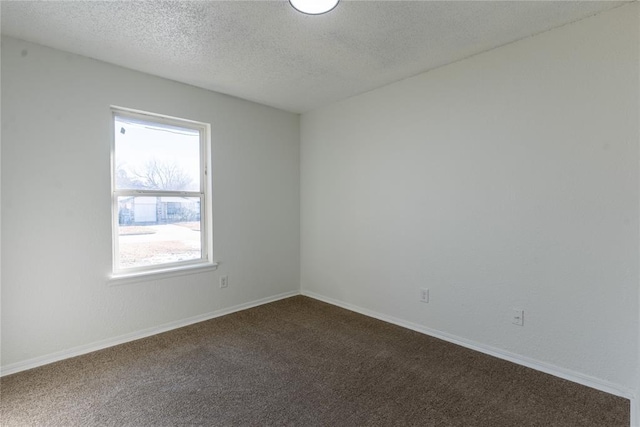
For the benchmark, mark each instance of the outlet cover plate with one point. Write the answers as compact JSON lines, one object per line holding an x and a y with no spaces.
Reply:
{"x":517,"y":317}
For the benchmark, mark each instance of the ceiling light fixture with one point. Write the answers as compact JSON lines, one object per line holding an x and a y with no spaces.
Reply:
{"x":314,"y":7}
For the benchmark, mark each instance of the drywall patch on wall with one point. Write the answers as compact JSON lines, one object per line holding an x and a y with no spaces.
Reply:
{"x":508,"y":180}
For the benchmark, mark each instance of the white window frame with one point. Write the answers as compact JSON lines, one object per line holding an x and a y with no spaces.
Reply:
{"x":206,"y":222}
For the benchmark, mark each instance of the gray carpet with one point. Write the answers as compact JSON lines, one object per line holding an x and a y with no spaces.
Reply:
{"x":298,"y":362}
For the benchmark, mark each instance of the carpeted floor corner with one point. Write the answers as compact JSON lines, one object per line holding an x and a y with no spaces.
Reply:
{"x":298,"y":362}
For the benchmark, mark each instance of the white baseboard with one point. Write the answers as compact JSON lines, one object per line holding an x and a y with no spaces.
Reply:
{"x":110,"y":342}
{"x":566,"y":374}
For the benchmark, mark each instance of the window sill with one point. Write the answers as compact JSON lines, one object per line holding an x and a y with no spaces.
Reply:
{"x":144,"y":276}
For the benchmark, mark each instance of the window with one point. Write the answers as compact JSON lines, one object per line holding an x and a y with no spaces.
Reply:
{"x":161,"y":196}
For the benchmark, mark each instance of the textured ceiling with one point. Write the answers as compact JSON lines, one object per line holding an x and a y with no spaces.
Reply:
{"x":267,"y":52}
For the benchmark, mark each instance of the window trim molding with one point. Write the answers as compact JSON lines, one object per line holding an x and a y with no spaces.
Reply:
{"x":205,"y":194}
{"x":160,"y":274}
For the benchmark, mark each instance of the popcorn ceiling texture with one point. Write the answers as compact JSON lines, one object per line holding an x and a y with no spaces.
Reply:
{"x":267,"y":52}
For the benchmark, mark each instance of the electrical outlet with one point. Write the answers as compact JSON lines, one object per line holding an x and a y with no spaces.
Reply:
{"x":224,"y":281}
{"x":517,"y":317}
{"x":424,"y":295}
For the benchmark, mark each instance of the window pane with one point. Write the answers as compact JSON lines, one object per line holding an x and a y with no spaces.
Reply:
{"x":158,"y":230}
{"x":154,"y":156}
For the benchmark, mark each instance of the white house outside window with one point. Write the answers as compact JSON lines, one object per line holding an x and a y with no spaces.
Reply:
{"x":161,"y":194}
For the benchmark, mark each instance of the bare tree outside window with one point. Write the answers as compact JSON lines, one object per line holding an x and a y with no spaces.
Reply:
{"x":160,"y":175}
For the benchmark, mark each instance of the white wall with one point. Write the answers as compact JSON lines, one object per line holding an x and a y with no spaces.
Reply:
{"x":509,"y":179}
{"x":56,"y":233}
{"x":506,"y":180}
{"x":635,"y":411}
